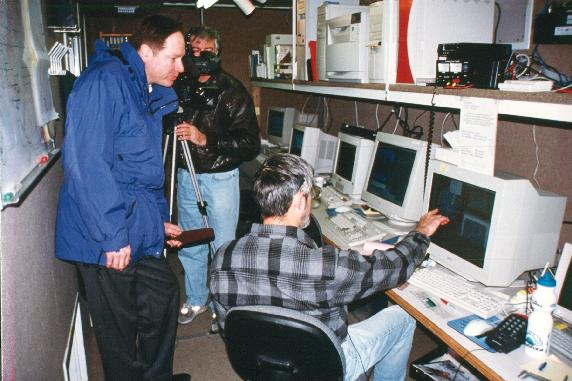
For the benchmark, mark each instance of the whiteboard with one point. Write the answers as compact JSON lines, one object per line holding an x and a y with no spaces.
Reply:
{"x":26,"y":103}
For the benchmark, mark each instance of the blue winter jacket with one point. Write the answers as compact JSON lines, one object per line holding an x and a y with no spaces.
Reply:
{"x":112,"y":193}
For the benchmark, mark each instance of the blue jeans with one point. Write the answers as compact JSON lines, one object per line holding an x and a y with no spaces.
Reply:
{"x":222,"y":195}
{"x":383,"y":341}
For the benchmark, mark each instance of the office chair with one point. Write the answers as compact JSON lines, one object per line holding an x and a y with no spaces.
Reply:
{"x":268,"y":343}
{"x":315,"y":231}
{"x":249,"y":213}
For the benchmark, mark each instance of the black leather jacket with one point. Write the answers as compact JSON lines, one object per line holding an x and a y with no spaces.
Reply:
{"x":230,"y":126}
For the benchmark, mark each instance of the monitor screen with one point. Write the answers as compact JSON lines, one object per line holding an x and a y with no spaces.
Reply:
{"x":565,"y":299}
{"x":352,"y":161}
{"x":296,"y":142}
{"x":275,"y":123}
{"x":389,"y":176}
{"x":346,"y":159}
{"x":279,"y":124}
{"x":564,"y":284}
{"x":395,"y":180}
{"x":494,"y":234}
{"x":470,"y":209}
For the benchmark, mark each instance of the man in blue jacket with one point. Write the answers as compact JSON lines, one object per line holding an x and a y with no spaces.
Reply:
{"x":112,"y":214}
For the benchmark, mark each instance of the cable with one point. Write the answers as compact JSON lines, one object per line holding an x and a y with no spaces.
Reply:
{"x":418,"y":116}
{"x":562,"y":88}
{"x":443,"y":125}
{"x":459,"y":361}
{"x":530,"y":284}
{"x":305,"y":103}
{"x":536,"y":149}
{"x":327,"y":116}
{"x":429,"y":138}
{"x":317,"y":109}
{"x":528,"y":62}
{"x":498,"y":22}
{"x":559,"y":78}
{"x":416,"y":132}
{"x":463,"y":359}
{"x":397,"y":115}
{"x":314,"y":116}
{"x":355,"y":108}
{"x":377,"y":116}
{"x":380,"y":128}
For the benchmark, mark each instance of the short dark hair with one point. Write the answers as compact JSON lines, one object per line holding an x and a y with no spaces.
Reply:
{"x":154,"y":30}
{"x":204,"y":32}
{"x":277,"y":181}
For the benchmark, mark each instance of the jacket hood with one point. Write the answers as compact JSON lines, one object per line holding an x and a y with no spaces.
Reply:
{"x":161,"y":101}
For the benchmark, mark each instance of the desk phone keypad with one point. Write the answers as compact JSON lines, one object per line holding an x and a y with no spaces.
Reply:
{"x":509,"y":334}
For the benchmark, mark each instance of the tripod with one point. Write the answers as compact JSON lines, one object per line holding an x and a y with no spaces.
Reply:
{"x":196,"y":235}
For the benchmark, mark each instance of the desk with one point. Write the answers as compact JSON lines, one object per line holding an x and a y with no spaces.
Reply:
{"x":494,"y":366}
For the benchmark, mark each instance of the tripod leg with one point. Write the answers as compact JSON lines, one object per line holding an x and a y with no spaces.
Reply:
{"x":173,"y":177}
{"x":201,"y":204}
{"x":166,"y":146}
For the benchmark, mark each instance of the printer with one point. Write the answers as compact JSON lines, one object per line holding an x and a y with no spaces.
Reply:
{"x":347,"y":47}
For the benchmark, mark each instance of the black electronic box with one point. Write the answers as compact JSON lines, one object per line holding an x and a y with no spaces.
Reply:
{"x":555,"y":25}
{"x":472,"y":64}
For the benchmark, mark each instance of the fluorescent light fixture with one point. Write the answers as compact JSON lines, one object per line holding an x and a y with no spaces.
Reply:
{"x":208,"y":3}
{"x":126,"y":9}
{"x":245,"y":6}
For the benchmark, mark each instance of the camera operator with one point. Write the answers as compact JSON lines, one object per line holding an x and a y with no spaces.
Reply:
{"x":220,"y":122}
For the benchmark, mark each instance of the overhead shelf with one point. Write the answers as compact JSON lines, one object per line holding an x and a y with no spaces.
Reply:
{"x":547,"y":106}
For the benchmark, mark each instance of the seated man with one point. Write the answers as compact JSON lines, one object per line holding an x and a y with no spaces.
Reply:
{"x":278,"y":264}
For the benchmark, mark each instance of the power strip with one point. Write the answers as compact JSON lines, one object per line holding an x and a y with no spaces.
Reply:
{"x":526,"y":86}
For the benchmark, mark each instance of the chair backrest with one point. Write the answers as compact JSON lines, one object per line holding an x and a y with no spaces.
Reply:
{"x":275,"y":343}
{"x":315,"y":231}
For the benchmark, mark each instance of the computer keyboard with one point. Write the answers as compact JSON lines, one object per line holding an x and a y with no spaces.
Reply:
{"x":561,"y":343}
{"x":333,"y":198}
{"x":457,"y":291}
{"x":350,"y":229}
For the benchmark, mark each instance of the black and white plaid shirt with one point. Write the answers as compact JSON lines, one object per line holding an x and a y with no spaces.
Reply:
{"x":282,"y":266}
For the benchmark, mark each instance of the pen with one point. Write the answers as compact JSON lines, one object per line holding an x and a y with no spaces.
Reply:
{"x":542,"y":366}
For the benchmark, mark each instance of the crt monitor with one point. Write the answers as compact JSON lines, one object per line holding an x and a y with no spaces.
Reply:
{"x":353,"y":156}
{"x":500,"y":226}
{"x":279,"y":124}
{"x":315,"y":146}
{"x":395,"y":180}
{"x":564,"y":285}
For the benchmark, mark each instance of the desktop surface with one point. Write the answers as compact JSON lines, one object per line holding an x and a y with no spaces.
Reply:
{"x":413,"y":299}
{"x":348,"y":228}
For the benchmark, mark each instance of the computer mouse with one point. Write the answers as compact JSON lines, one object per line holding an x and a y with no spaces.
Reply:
{"x":316,"y":203}
{"x":343,"y":209}
{"x":477,"y":327}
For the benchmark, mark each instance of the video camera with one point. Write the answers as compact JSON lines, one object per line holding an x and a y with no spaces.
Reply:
{"x":205,"y":63}
{"x":191,"y":93}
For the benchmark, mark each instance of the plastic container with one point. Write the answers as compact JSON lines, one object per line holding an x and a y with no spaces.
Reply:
{"x":540,"y":321}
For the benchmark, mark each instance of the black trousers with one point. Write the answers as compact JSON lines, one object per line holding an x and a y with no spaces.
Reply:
{"x":134,"y":313}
